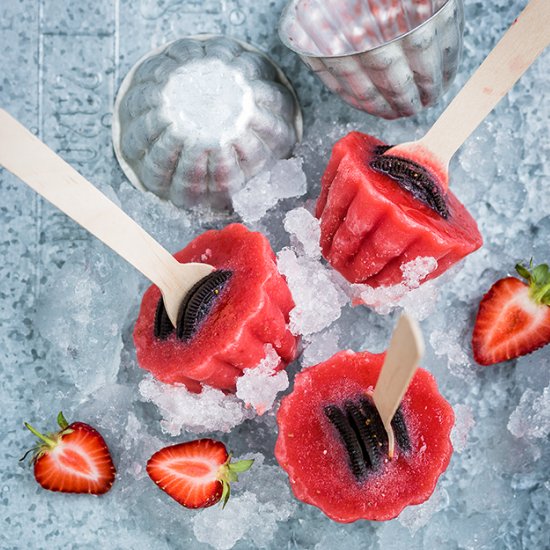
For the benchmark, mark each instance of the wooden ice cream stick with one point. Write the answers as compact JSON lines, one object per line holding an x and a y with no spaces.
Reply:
{"x":50,"y":176}
{"x":522,"y":43}
{"x":402,"y":358}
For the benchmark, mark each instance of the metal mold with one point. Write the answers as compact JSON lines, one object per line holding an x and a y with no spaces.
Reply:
{"x":198,"y":117}
{"x":390,"y":58}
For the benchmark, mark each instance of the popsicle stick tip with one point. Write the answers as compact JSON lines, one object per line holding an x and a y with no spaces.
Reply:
{"x":412,"y":325}
{"x":404,"y":353}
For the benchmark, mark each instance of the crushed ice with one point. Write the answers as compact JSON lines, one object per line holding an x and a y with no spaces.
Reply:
{"x":452,"y":342}
{"x":259,"y":387}
{"x":304,"y":231}
{"x":415,"y":517}
{"x":531,"y":418}
{"x":261,"y":501}
{"x":318,"y":299}
{"x":286,"y":179}
{"x":464,"y":422}
{"x":321,"y":346}
{"x":317,"y":295}
{"x":85,"y":344}
{"x":138,"y":447}
{"x":212,"y":409}
{"x":182,"y":410}
{"x":409,"y":294}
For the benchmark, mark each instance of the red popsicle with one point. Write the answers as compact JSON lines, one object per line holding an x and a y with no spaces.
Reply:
{"x":371,"y":224}
{"x":243,"y":307}
{"x":333,"y":445}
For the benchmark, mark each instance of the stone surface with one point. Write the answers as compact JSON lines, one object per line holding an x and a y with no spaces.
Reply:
{"x":67,"y":304}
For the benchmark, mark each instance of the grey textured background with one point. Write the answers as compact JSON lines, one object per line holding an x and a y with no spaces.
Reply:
{"x":60,"y":66}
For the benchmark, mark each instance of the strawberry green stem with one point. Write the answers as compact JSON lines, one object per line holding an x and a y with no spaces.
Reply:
{"x":50,"y":442}
{"x":539,"y":293}
{"x":538,"y":279}
{"x":61,"y":420}
{"x":229,"y":472}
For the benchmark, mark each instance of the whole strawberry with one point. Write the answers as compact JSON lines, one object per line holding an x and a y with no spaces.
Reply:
{"x":73,"y":460}
{"x":197,"y":473}
{"x":513,"y":317}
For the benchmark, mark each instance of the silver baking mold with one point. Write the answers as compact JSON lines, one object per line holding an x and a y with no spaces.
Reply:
{"x":198,"y":117}
{"x":390,"y":58}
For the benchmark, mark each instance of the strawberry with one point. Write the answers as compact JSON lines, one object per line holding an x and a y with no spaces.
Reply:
{"x":73,"y":460}
{"x":196,"y":473}
{"x":513,"y":317}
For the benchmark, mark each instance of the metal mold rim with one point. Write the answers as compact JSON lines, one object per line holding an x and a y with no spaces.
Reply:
{"x":286,"y":15}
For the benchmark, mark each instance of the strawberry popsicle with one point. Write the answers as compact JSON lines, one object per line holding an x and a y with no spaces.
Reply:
{"x":377,"y":213}
{"x":227,"y":320}
{"x":334,"y":447}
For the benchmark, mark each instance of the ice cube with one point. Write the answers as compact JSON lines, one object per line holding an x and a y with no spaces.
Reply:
{"x":531,"y":418}
{"x":449,"y":341}
{"x":304,"y":231}
{"x":392,"y":535}
{"x":464,"y":422}
{"x":138,"y":446}
{"x":415,"y":517}
{"x":337,"y":538}
{"x":286,"y":179}
{"x":319,"y":300}
{"x":259,"y":387}
{"x":321,"y":346}
{"x":82,"y":312}
{"x":106,"y":409}
{"x":181,"y":410}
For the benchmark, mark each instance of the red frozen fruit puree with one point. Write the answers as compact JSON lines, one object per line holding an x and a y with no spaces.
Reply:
{"x":251,"y":311}
{"x":321,"y":470}
{"x":372,"y":224}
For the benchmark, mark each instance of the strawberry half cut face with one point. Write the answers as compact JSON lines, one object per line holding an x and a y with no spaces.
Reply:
{"x":74,"y":460}
{"x":513,"y":317}
{"x":197,"y":474}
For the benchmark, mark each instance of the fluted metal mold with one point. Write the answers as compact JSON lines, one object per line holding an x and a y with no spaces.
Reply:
{"x":198,"y":117}
{"x":390,"y":58}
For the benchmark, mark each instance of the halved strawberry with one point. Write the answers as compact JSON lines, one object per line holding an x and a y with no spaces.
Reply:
{"x":73,"y":460}
{"x":513,"y":317}
{"x":197,"y":473}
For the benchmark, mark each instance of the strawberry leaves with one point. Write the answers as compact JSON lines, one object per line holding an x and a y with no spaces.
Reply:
{"x":63,"y":424}
{"x":241,"y":466}
{"x":539,"y":281}
{"x":229,"y":474}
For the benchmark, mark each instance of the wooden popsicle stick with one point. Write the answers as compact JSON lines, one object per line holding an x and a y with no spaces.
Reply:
{"x":402,"y":358}
{"x":50,"y":176}
{"x":522,"y":43}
